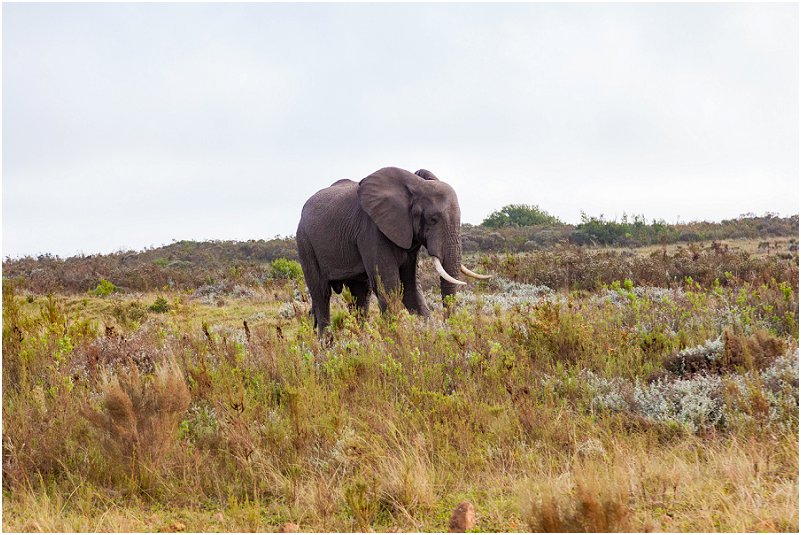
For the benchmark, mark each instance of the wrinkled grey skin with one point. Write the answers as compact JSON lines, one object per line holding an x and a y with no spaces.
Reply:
{"x":356,"y":234}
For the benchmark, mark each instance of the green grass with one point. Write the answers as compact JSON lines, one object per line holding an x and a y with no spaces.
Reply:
{"x":549,"y":411}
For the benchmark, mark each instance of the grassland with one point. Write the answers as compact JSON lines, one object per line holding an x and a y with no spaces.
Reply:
{"x":577,"y":390}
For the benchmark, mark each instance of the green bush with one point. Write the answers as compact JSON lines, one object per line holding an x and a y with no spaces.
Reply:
{"x":160,"y":305}
{"x":283,"y":269}
{"x":519,"y":215}
{"x":129,"y":315}
{"x":104,"y":288}
{"x":597,"y":230}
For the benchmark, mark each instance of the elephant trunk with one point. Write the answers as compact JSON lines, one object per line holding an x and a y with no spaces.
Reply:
{"x":451,"y":261}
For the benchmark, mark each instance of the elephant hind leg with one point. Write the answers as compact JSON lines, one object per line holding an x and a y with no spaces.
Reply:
{"x":319,"y":288}
{"x":321,"y":306}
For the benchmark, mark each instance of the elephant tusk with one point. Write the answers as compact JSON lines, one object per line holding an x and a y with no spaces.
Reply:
{"x":444,"y":274}
{"x":474,"y":275}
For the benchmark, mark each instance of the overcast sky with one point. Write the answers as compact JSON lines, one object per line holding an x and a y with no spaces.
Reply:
{"x":127,"y":126}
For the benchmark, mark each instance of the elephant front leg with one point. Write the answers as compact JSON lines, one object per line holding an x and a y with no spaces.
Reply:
{"x":386,"y":284}
{"x":413,"y":298}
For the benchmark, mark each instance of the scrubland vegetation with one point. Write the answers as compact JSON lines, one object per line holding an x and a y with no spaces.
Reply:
{"x":579,"y":389}
{"x":190,"y":264}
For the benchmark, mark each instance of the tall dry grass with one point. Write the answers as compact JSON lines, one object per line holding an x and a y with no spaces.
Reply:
{"x":548,"y":411}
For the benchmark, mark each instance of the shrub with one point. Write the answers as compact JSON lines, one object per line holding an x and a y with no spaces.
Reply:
{"x":160,"y":305}
{"x":129,"y":315}
{"x":597,"y":230}
{"x":283,"y":269}
{"x":104,"y":288}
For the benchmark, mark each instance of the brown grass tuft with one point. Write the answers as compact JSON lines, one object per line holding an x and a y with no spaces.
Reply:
{"x":592,"y":498}
{"x":756,"y":351}
{"x":753,"y":352}
{"x":139,"y":415}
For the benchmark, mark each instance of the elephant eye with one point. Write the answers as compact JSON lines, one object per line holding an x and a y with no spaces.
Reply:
{"x":433,"y":220}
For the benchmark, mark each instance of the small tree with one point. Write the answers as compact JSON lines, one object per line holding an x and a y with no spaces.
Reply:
{"x":519,"y":215}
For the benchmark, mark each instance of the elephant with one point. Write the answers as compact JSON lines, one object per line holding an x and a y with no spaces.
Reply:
{"x":366,"y":236}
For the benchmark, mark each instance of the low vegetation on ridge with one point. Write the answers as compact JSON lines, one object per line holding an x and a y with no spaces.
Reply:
{"x":190,"y":264}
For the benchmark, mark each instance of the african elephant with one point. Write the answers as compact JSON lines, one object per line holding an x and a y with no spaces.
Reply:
{"x":366,"y":236}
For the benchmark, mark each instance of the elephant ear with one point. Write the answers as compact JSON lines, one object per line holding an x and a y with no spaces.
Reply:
{"x":386,"y":196}
{"x":426,"y":174}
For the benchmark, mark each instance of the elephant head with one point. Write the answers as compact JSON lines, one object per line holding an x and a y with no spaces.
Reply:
{"x":418,"y":209}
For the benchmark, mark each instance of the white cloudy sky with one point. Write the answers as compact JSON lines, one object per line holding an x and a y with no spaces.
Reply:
{"x":126,"y":126}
